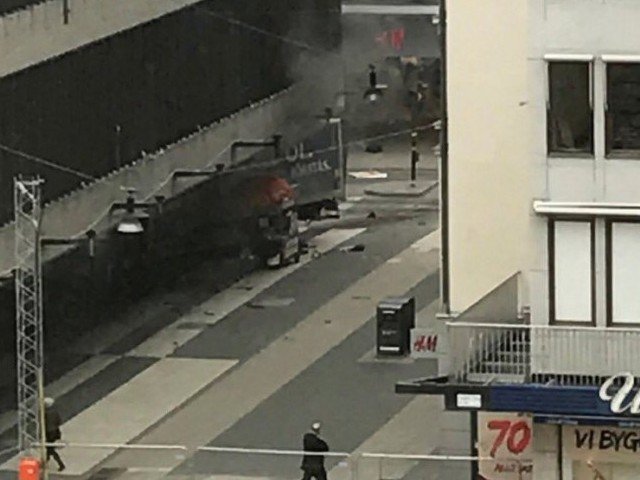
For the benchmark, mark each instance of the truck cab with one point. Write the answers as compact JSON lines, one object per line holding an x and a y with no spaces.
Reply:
{"x":274,"y":222}
{"x":280,"y":235}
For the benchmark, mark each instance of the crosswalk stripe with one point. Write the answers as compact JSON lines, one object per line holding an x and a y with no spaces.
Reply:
{"x":170,"y":338}
{"x":262,"y":375}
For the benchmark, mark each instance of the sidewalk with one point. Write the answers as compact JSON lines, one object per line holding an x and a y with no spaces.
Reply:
{"x":239,"y":392}
{"x":394,"y":164}
{"x":396,"y":155}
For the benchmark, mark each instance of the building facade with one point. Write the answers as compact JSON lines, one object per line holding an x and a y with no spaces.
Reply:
{"x":541,"y":229}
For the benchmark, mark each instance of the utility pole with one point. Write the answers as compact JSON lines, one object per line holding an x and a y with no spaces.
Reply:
{"x":415,"y":154}
{"x":28,"y":278}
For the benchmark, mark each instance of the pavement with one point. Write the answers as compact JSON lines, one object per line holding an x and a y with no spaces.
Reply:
{"x":252,"y":366}
{"x":400,"y":188}
{"x":394,"y":162}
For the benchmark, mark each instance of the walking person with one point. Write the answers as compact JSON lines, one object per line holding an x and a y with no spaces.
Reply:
{"x":313,"y":465}
{"x":52,"y":431}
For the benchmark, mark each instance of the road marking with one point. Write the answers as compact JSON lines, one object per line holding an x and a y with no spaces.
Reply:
{"x":134,"y":407}
{"x":172,"y":337}
{"x":220,"y":406}
{"x":349,"y":204}
{"x":65,"y":384}
{"x":414,"y":430}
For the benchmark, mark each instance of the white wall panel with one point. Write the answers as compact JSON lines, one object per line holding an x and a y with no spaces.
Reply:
{"x":572,"y":271}
{"x":625,"y":268}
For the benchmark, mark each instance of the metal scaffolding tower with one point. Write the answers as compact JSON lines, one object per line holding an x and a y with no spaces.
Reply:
{"x":28,"y":277}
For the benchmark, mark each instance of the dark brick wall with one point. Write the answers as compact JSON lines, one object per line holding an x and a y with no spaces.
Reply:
{"x":158,"y":82}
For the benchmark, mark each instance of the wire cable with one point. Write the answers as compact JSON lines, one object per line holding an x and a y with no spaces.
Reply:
{"x":248,"y":26}
{"x":48,"y":163}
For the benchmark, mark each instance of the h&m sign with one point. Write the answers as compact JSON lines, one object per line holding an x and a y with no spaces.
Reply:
{"x":625,"y":399}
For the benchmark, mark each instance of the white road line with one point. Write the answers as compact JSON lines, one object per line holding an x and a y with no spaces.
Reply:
{"x":219,"y":407}
{"x":66,"y":383}
{"x":132,"y":408}
{"x":414,"y":430}
{"x":170,"y":338}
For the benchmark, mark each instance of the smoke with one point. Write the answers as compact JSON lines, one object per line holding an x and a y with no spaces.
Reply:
{"x":332,"y":74}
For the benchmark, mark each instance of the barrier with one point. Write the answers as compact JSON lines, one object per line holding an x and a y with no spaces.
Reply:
{"x":271,"y":463}
{"x":159,"y":461}
{"x":83,"y":458}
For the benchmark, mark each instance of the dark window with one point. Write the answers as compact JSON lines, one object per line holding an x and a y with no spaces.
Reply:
{"x":569,"y":111}
{"x":623,"y":108}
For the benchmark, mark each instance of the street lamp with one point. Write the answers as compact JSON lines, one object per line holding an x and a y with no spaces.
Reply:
{"x":130,"y":223}
{"x":90,"y":239}
{"x":375,"y":90}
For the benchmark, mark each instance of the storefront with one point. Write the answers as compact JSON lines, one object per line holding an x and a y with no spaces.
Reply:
{"x":548,"y":432}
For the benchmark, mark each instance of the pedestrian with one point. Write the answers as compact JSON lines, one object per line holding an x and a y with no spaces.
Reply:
{"x":313,"y":465}
{"x":52,"y":431}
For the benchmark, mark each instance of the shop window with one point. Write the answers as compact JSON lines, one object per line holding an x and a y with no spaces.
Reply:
{"x":623,"y":109}
{"x":571,"y":270}
{"x":623,"y":265}
{"x":569,"y":109}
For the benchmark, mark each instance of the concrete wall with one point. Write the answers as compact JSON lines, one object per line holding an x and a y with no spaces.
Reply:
{"x":488,"y":134}
{"x":545,"y":454}
{"x":593,"y":27}
{"x":88,"y":206}
{"x":38,"y":33}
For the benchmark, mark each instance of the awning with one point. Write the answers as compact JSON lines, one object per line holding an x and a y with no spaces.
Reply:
{"x":465,"y":397}
{"x":349,"y":8}
{"x":586,"y":209}
{"x":586,"y":420}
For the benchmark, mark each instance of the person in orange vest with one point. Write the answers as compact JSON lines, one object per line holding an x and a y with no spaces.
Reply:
{"x":52,"y":431}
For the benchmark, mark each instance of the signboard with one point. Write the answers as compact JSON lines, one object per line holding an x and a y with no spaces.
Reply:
{"x":623,"y":399}
{"x":507,"y":439}
{"x":469,"y":400}
{"x":609,"y":444}
{"x":426,"y":343}
{"x":314,"y":166}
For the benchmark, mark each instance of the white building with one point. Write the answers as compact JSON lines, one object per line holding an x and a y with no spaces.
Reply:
{"x":541,"y":224}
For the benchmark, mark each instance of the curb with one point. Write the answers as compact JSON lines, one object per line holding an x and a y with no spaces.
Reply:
{"x":406,"y":194}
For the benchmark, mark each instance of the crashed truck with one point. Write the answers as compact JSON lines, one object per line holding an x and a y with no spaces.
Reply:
{"x":270,"y":192}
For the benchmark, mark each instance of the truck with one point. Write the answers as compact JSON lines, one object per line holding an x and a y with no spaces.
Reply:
{"x":256,"y":204}
{"x":274,"y":191}
{"x":270,"y":222}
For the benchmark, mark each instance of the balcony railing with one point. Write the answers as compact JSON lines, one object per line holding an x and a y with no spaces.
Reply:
{"x":516,"y":353}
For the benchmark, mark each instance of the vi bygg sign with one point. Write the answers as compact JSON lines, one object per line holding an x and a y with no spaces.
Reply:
{"x":623,"y":399}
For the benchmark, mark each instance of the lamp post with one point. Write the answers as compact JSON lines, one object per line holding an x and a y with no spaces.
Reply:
{"x":375,"y":90}
{"x":118,"y":146}
{"x":373,"y":94}
{"x":130,"y":222}
{"x":415,"y":154}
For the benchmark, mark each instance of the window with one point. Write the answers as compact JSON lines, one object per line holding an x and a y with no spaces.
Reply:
{"x":571,"y":271}
{"x":569,"y":109}
{"x":623,"y":109}
{"x":623,"y":265}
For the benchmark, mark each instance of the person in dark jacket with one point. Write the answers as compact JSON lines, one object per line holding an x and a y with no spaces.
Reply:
{"x":313,"y":465}
{"x":52,"y":431}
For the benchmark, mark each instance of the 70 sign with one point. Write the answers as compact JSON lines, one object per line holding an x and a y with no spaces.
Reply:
{"x":514,"y":434}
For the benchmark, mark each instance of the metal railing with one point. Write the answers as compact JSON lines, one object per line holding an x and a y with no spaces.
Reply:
{"x":189,"y":462}
{"x":517,"y":353}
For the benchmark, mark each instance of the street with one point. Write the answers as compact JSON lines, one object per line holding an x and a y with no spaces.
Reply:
{"x":254,"y":365}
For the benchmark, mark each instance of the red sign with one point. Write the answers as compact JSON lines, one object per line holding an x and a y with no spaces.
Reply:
{"x":425,"y":343}
{"x":507,"y":439}
{"x":393,"y":37}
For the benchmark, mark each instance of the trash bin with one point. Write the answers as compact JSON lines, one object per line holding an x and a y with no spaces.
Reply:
{"x":395,"y":319}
